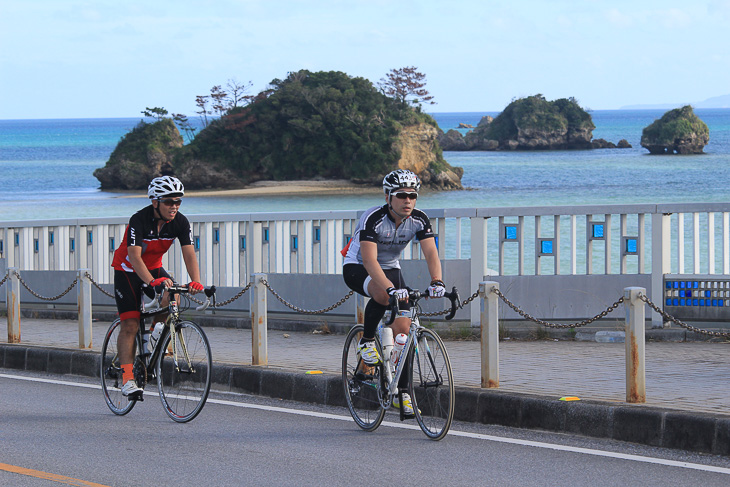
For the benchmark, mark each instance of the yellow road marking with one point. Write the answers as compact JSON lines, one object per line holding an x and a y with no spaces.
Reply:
{"x":48,"y":476}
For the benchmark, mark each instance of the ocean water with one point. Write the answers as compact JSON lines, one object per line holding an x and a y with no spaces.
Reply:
{"x":46,"y":171}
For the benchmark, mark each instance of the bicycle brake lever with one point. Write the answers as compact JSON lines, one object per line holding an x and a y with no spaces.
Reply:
{"x":393,"y":305}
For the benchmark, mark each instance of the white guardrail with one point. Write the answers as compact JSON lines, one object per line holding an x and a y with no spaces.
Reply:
{"x":690,"y":238}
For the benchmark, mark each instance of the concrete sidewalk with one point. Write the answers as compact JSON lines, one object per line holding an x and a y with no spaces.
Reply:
{"x":690,"y":379}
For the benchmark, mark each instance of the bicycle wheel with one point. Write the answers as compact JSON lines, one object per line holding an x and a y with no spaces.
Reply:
{"x":361,"y":384}
{"x":183,"y":371}
{"x":111,"y":373}
{"x":432,"y":386}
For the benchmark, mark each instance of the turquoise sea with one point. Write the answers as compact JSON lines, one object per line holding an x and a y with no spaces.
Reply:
{"x":46,"y":171}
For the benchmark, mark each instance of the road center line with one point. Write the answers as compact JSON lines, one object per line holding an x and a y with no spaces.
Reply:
{"x":48,"y":476}
{"x":478,"y":436}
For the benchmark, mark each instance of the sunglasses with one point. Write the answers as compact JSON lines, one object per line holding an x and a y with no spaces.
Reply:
{"x":403,"y":195}
{"x":171,"y":202}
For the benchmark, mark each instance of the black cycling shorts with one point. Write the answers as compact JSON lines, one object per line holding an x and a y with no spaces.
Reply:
{"x":356,"y":276}
{"x":128,"y":289}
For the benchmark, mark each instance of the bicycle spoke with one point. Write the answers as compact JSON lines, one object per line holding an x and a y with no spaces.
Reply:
{"x":432,"y":385}
{"x":184,"y":372}
{"x":111,"y":373}
{"x":361,"y":384}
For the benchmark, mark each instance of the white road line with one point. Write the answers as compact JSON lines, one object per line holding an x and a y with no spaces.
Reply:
{"x":478,"y":436}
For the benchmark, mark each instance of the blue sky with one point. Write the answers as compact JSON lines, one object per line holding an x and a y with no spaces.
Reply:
{"x":74,"y":59}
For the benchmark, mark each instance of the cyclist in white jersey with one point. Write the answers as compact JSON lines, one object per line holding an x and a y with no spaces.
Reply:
{"x":371,"y":265}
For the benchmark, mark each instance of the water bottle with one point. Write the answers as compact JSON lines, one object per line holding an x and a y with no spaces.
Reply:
{"x":386,"y":340}
{"x":155,"y":335}
{"x":400,"y":343}
{"x":146,"y":343}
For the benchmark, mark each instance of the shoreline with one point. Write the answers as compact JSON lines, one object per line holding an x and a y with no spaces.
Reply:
{"x":277,"y":188}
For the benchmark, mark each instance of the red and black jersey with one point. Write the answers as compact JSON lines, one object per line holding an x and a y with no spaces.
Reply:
{"x":142,"y":232}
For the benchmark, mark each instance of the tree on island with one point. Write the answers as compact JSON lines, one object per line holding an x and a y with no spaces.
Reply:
{"x":407,"y":85}
{"x":157,"y":112}
{"x":220,"y":101}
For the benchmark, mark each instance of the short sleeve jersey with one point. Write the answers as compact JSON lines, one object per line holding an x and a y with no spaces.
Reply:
{"x":142,"y":232}
{"x":376,"y":225}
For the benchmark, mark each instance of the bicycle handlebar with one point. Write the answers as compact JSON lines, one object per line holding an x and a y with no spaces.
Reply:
{"x":415,"y":295}
{"x":177,"y":289}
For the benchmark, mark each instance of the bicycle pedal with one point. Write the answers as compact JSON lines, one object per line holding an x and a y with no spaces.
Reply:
{"x":137,"y":396}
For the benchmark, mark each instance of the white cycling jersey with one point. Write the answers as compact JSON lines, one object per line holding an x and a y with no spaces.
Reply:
{"x":376,"y":225}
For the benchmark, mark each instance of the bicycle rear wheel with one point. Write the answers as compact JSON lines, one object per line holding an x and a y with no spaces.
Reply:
{"x":432,"y":386}
{"x":111,"y":373}
{"x":184,"y":385}
{"x":361,"y":383}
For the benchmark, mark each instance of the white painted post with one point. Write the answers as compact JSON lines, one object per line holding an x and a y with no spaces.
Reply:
{"x":259,"y":338}
{"x":660,"y":262}
{"x":635,"y":345}
{"x":360,"y":303}
{"x":478,"y":260}
{"x":13,"y":304}
{"x":489,"y":318}
{"x":84,"y":305}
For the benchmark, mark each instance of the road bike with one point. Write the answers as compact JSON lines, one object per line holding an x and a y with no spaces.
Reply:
{"x":370,"y":390}
{"x":180,"y":361}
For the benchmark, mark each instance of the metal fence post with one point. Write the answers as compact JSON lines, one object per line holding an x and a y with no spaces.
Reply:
{"x":13,"y":303}
{"x":259,"y":339}
{"x":84,"y":303}
{"x":360,"y":303}
{"x":635,"y":345}
{"x":489,"y":318}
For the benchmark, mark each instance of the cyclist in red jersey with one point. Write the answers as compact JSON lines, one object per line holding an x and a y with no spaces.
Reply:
{"x":138,"y":264}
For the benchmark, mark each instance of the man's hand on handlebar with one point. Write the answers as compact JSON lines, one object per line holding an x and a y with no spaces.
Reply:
{"x":399,"y":294}
{"x":195,"y":287}
{"x":437,"y":289}
{"x":160,"y":284}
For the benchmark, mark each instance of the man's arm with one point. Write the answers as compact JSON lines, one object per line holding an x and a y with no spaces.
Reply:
{"x":135,"y":257}
{"x":191,"y":262}
{"x":369,"y":254}
{"x":430,"y":251}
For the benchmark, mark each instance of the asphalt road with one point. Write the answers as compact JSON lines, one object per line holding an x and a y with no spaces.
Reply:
{"x":60,"y":431}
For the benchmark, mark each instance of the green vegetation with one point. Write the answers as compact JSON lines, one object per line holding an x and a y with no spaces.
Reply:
{"x":677,"y":128}
{"x":325,"y":124}
{"x":146,"y":139}
{"x":535,"y":113}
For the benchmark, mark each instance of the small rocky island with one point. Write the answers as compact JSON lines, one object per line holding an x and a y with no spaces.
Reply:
{"x":531,"y":123}
{"x":679,"y":131}
{"x":321,"y":125}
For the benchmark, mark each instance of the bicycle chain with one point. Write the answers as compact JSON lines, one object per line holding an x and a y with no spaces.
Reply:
{"x":671,"y":318}
{"x":306,"y":311}
{"x":578,"y":324}
{"x":44,"y":298}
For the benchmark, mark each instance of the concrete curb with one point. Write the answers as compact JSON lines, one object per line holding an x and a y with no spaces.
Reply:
{"x":698,"y":432}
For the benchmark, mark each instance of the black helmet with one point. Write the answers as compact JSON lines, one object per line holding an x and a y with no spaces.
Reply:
{"x":399,"y":179}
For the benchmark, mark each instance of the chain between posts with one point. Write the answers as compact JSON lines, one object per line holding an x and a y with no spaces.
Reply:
{"x":7,"y":274}
{"x":306,"y":311}
{"x":519,"y":311}
{"x":227,"y":301}
{"x":98,"y":286}
{"x":461,"y":305}
{"x":671,"y":318}
{"x":44,"y":298}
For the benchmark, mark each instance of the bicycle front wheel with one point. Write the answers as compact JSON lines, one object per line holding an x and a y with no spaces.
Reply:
{"x":183,"y":371}
{"x":111,"y":373}
{"x":361,"y":383}
{"x":432,"y":386}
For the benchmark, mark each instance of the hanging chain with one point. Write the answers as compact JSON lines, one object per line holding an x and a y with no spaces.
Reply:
{"x":98,"y":286}
{"x":600,"y":315}
{"x":7,"y":274}
{"x":227,"y":301}
{"x":461,"y":305}
{"x":306,"y":311}
{"x":671,"y":318}
{"x":44,"y":298}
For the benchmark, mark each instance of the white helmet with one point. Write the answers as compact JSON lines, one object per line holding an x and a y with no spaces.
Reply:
{"x":164,"y":186}
{"x":400,"y":178}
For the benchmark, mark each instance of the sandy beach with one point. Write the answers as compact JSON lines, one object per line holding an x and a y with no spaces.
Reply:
{"x":263,"y":188}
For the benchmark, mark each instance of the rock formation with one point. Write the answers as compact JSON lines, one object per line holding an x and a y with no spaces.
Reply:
{"x":679,"y":131}
{"x":417,"y":147}
{"x":142,"y":154}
